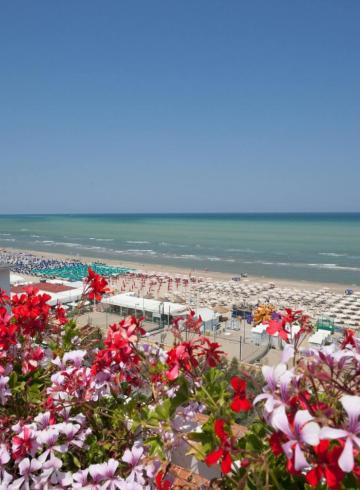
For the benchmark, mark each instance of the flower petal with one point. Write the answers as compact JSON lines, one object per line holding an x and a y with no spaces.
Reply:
{"x":300,"y":461}
{"x":310,"y":433}
{"x":240,"y":404}
{"x":280,"y":422}
{"x":214,"y":457}
{"x":302,"y":417}
{"x":351,"y":405}
{"x":226,"y":463}
{"x":330,"y":433}
{"x":346,"y":460}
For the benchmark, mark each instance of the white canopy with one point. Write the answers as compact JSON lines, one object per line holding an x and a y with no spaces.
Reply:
{"x":16,"y":278}
{"x":144,"y":304}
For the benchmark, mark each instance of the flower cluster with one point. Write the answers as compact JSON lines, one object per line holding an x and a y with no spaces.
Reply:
{"x":79,"y":410}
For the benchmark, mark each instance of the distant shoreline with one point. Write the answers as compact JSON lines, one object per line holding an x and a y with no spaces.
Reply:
{"x":219,"y":276}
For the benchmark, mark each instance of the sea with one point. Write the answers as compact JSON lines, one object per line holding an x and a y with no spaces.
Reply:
{"x":313,"y":247}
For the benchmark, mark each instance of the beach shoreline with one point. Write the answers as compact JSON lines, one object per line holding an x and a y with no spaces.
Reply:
{"x":161,"y":268}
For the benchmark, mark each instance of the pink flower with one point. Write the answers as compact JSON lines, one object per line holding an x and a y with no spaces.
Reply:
{"x":303,"y":431}
{"x":276,"y":392}
{"x":26,"y":469}
{"x":350,"y":432}
{"x":4,"y":389}
{"x":24,"y":443}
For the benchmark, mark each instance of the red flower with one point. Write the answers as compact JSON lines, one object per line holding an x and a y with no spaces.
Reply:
{"x":31,"y":311}
{"x":31,"y":359}
{"x":276,"y":440}
{"x":211,"y":352}
{"x":326,"y":466}
{"x":275,"y":326}
{"x":96,"y":286}
{"x":240,"y":403}
{"x":60,"y":315}
{"x":4,"y":298}
{"x":24,"y":443}
{"x":160,"y":483}
{"x":7,"y":330}
{"x":223,"y":452}
{"x":348,"y":339}
{"x":182,"y":356}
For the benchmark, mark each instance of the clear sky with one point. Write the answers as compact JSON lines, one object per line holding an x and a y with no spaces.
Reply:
{"x":175,"y":106}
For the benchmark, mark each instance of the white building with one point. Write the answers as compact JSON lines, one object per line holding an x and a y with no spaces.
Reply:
{"x":5,"y":278}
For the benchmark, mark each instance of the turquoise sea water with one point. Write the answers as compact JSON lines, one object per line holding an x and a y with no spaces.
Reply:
{"x":315,"y":247}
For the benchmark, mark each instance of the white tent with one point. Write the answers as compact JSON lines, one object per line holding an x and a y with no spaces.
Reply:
{"x":209,"y":317}
{"x":16,"y":279}
{"x":147,"y":305}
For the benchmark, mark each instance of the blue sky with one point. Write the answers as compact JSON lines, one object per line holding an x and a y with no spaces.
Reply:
{"x":176,"y":106}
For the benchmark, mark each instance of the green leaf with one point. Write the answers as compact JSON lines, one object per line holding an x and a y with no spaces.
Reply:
{"x":155,"y":447}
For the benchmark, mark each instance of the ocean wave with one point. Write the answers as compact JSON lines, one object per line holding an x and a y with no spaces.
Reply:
{"x":102,"y":239}
{"x":134,"y":251}
{"x":332,"y":254}
{"x":134,"y":242}
{"x":5,"y":234}
{"x":213,"y":259}
{"x":7,"y":239}
{"x":335,"y":267}
{"x":35,"y":236}
{"x":246,"y":250}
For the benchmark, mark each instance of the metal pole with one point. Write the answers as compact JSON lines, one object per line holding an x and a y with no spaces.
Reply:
{"x":240,"y":347}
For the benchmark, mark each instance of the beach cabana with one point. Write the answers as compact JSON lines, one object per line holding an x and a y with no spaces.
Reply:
{"x":258,"y":334}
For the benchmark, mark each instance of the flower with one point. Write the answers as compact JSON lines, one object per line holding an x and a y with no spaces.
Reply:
{"x":24,"y":443}
{"x":162,"y":483}
{"x":31,"y":311}
{"x":325,"y":466}
{"x":276,"y":326}
{"x":350,"y":431}
{"x":4,"y":389}
{"x":302,"y":431}
{"x":239,"y":403}
{"x":95,"y":286}
{"x":211,"y":352}
{"x":223,"y":452}
{"x":26,"y":469}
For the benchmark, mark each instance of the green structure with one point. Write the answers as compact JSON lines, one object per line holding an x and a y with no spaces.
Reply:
{"x":77,"y":272}
{"x":325,"y":323}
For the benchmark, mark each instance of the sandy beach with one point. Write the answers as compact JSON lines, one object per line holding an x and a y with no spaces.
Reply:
{"x":207,"y":274}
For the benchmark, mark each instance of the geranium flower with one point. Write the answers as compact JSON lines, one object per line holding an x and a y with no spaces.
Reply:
{"x":31,"y":311}
{"x":276,"y":392}
{"x":24,"y":443}
{"x":211,"y":352}
{"x":95,"y":286}
{"x":348,"y":339}
{"x":60,"y":314}
{"x":161,"y":482}
{"x":325,"y":466}
{"x":133,"y":458}
{"x":302,"y":431}
{"x":181,"y":356}
{"x":223,"y":452}
{"x":104,"y":475}
{"x":27,"y":469}
{"x":31,"y":359}
{"x":350,"y":432}
{"x":276,"y":326}
{"x":4,"y":389}
{"x":239,"y":403}
{"x":5,"y":477}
